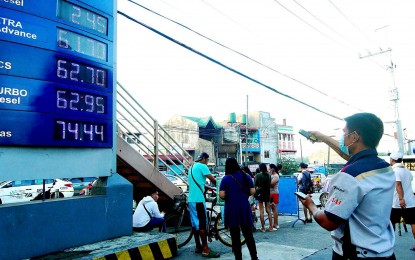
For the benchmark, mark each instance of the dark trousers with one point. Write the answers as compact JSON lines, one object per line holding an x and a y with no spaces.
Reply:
{"x":236,"y":241}
{"x":154,"y":222}
{"x":336,"y":256}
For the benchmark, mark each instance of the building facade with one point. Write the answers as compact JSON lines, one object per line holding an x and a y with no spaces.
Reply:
{"x":195,"y":134}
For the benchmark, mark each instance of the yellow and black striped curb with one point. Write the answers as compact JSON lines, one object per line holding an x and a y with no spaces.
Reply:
{"x":163,"y":249}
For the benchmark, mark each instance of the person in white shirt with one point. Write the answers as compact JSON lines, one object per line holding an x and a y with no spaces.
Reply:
{"x":403,"y":199}
{"x":147,"y":214}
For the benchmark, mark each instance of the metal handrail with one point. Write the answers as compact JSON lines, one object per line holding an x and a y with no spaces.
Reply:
{"x":136,"y":123}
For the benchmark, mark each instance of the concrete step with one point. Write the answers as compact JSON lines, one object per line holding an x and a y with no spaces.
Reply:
{"x":149,"y":245}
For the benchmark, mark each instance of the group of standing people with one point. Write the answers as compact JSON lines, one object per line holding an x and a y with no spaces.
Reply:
{"x":403,"y":199}
{"x":236,"y":187}
{"x":358,"y":211}
{"x":267,"y":194}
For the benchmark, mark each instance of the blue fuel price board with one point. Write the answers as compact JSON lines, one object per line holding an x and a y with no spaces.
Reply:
{"x":49,"y":97}
{"x":94,"y":16}
{"x":57,"y":73}
{"x":32,"y":30}
{"x":38,"y":129}
{"x":56,"y":67}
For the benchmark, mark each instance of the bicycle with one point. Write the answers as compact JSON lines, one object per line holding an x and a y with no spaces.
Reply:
{"x":178,"y":223}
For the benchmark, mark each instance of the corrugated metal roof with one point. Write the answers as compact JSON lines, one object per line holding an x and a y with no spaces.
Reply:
{"x":203,"y":121}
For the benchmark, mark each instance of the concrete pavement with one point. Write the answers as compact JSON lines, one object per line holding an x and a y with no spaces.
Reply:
{"x":303,"y":241}
{"x":138,"y":245}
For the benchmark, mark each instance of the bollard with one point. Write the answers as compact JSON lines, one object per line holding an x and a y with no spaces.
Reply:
{"x":57,"y":194}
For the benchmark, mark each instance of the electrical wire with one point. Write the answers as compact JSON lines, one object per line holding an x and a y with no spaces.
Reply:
{"x":247,"y":57}
{"x":227,"y":67}
{"x":325,"y":24}
{"x":360,"y":31}
{"x":350,"y":21}
{"x":376,"y":63}
{"x":224,"y":15}
{"x":304,"y":21}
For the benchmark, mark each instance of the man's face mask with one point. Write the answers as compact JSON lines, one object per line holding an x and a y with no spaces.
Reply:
{"x":344,"y":148}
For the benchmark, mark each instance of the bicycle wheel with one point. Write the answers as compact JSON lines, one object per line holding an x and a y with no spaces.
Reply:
{"x":224,"y":233}
{"x":179,"y":226}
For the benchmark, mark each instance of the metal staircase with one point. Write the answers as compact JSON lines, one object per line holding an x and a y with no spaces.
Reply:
{"x":145,"y":148}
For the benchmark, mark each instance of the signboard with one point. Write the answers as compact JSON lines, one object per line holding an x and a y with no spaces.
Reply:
{"x":409,"y":163}
{"x":283,"y":129}
{"x":57,"y":84}
{"x":254,"y":143}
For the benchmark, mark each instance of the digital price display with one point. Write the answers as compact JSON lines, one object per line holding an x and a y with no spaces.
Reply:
{"x":76,"y":71}
{"x":55,"y":67}
{"x":54,"y":130}
{"x":79,"y":131}
{"x":83,"y":17}
{"x":82,"y":44}
{"x":56,"y":73}
{"x":80,"y":101}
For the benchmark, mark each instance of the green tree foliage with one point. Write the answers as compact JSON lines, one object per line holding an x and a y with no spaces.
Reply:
{"x":290,"y":165}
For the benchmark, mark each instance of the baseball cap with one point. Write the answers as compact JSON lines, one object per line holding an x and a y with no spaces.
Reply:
{"x":202,"y":156}
{"x":396,"y":155}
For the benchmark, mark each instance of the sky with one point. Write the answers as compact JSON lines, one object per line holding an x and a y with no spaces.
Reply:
{"x":311,"y":51}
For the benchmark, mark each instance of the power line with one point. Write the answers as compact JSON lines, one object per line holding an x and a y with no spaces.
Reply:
{"x":358,"y":29}
{"x":223,"y":14}
{"x":226,"y":67}
{"x":322,"y":22}
{"x":304,"y":21}
{"x":247,"y":57}
{"x":376,"y":63}
{"x":350,"y":21}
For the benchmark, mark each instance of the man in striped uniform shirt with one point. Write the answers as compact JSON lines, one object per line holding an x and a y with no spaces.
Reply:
{"x":358,"y":209}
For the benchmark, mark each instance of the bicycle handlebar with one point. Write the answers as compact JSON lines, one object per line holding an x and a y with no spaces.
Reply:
{"x":210,"y":198}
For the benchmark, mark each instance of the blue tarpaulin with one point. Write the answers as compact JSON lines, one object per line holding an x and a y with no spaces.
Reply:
{"x":289,"y":204}
{"x":288,"y":201}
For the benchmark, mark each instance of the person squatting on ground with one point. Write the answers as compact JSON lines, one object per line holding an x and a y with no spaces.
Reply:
{"x":360,"y":196}
{"x":235,"y":188}
{"x":403,"y":198}
{"x":147,"y":214}
{"x":274,"y":193}
{"x":262,"y":194}
{"x":198,"y":173}
{"x":304,"y":181}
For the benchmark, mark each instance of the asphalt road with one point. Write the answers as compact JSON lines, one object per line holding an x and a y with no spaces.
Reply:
{"x":303,"y":241}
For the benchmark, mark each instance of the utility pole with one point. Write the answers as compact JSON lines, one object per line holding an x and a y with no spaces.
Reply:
{"x":328,"y":160}
{"x":394,"y":97}
{"x":240,"y":144}
{"x":301,"y":150}
{"x":246,"y":133}
{"x":278,"y":145}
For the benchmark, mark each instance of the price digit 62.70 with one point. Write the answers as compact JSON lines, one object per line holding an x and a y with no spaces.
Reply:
{"x":81,"y":73}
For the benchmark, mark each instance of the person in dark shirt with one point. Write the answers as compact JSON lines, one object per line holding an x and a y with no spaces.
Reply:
{"x":304,"y":180}
{"x":235,"y":188}
{"x":262,"y":186}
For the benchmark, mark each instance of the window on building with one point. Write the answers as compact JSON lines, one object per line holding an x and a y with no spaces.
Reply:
{"x":266,"y":154}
